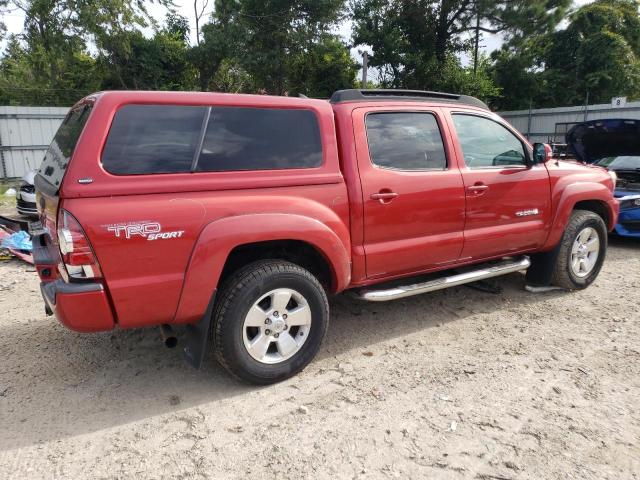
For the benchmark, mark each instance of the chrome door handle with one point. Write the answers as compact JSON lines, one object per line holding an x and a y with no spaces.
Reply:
{"x":478,"y":188}
{"x":384,"y":197}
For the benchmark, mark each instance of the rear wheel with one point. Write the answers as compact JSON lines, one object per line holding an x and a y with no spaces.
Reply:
{"x":269,"y":322}
{"x":582,"y":251}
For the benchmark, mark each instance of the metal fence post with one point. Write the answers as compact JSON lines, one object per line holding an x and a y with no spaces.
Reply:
{"x":2,"y":160}
{"x":529,"y":121}
{"x":586,"y":107}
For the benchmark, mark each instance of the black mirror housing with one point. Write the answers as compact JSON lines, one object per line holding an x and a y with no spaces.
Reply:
{"x":542,"y":153}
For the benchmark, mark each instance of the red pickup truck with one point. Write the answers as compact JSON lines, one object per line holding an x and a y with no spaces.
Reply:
{"x":236,"y":215}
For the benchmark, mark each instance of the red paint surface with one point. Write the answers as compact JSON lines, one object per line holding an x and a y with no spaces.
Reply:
{"x":84,"y":312}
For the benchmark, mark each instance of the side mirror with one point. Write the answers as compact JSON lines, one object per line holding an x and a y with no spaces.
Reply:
{"x":542,"y":153}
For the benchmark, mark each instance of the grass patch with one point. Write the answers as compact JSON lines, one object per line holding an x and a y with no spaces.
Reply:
{"x":8,"y":204}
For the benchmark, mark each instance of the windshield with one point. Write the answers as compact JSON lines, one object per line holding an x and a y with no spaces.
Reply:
{"x":620,"y":163}
{"x":59,"y":153}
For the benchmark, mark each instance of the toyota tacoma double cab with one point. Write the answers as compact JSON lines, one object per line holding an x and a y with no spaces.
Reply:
{"x":237,"y":215}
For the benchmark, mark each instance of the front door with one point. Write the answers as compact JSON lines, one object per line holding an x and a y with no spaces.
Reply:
{"x":508,"y":198}
{"x":413,"y":196}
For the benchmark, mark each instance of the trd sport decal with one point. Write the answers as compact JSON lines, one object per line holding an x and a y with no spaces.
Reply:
{"x":148,"y":230}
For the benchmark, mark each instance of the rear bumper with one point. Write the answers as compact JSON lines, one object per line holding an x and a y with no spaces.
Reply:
{"x":83,"y":307}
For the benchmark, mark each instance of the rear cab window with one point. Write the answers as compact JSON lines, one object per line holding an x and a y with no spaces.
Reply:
{"x":154,"y":139}
{"x":60,"y":151}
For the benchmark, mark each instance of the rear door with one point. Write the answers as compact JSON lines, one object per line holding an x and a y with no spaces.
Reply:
{"x":508,"y":198}
{"x":413,"y":196}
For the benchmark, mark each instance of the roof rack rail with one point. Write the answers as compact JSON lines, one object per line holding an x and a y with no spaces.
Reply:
{"x":360,"y":95}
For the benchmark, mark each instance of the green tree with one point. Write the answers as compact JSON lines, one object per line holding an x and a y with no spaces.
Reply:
{"x":221,"y":40}
{"x":466,"y":81}
{"x":274,"y":46}
{"x":277,"y":33}
{"x":156,"y":63}
{"x":24,"y":81}
{"x":49,"y":62}
{"x":232,"y":78}
{"x":608,"y":49}
{"x":597,"y":54}
{"x":413,"y":40}
{"x":324,"y":67}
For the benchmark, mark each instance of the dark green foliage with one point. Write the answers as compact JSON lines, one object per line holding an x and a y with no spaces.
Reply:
{"x":323,"y":68}
{"x":69,"y":48}
{"x":287,"y":46}
{"x":221,"y":39}
{"x":47,"y":64}
{"x":156,"y":63}
{"x":416,"y":42}
{"x":51,"y":63}
{"x":597,"y":54}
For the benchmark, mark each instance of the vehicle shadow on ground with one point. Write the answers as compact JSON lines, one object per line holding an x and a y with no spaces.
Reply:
{"x":628,"y":243}
{"x":57,"y":383}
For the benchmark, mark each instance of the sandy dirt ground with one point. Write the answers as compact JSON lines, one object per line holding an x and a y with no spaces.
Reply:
{"x":455,"y":384}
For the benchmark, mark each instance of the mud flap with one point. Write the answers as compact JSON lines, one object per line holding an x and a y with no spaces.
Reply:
{"x":197,"y":336}
{"x":541,"y":269}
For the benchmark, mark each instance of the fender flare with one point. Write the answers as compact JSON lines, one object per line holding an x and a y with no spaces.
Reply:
{"x":218,"y":238}
{"x":570,"y":196}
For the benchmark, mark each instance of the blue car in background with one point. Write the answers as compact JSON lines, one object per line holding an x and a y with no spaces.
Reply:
{"x":627,"y":192}
{"x":614,"y":144}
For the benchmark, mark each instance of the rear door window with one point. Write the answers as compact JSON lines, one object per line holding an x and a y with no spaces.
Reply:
{"x":153,"y":139}
{"x":260,"y":139}
{"x":64,"y":143}
{"x":405,"y":141}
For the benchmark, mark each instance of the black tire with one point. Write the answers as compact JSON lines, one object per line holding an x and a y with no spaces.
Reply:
{"x":238,"y":295}
{"x":563,"y":274}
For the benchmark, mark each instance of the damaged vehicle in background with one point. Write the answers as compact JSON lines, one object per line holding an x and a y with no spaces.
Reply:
{"x":26,"y":196}
{"x":615,"y":145}
{"x":627,"y":192}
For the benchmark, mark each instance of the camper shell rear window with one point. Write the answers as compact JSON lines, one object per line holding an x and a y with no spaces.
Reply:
{"x":153,"y":139}
{"x":59,"y":153}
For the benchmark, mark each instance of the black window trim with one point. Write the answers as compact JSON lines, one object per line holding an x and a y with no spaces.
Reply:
{"x":203,"y":130}
{"x":418,"y":170}
{"x":528,"y":162}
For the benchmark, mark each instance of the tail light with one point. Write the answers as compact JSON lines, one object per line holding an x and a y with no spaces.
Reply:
{"x":77,"y":255}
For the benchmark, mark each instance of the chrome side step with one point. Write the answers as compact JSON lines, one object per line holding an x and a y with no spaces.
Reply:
{"x":494,"y":270}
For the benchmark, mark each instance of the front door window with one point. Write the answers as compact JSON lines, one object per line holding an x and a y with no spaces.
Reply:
{"x":487,"y":144}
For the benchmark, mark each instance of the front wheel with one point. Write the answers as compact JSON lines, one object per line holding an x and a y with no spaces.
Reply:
{"x":269,"y":321}
{"x":582,"y":251}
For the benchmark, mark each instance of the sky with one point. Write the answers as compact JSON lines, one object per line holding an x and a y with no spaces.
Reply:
{"x":490,"y":42}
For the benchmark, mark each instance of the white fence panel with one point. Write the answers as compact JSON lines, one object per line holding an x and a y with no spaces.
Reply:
{"x":25,"y":134}
{"x":550,"y":124}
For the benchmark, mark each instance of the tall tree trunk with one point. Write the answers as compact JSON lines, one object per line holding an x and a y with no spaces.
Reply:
{"x":442,"y":33}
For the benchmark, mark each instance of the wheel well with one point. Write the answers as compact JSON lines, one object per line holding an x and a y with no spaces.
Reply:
{"x":595,"y":206}
{"x":294,"y":251}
